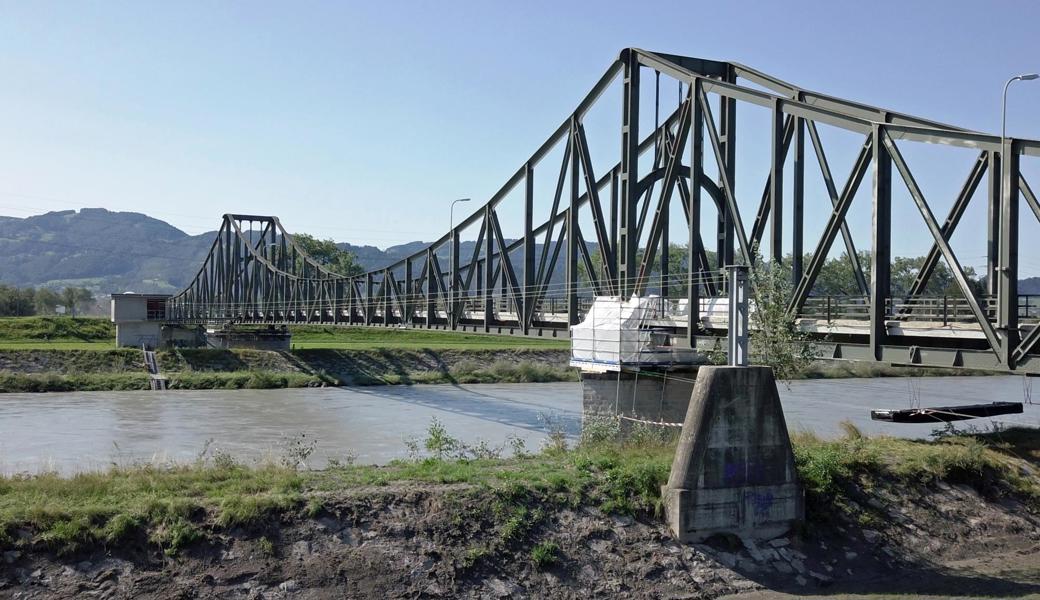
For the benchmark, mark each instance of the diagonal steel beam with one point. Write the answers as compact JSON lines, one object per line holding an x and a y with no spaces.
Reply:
{"x":759,"y":226}
{"x":819,"y":257}
{"x":832,"y":191}
{"x":602,"y":237}
{"x":671,"y":178}
{"x":1027,"y":344}
{"x":506,"y":264}
{"x":727,"y":186}
{"x":944,"y":246}
{"x":960,"y":204}
{"x":555,"y":208}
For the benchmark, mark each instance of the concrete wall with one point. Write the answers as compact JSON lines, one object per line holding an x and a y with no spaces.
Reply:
{"x":129,"y":308}
{"x":734,"y":468}
{"x":650,"y":395}
{"x":134,"y":333}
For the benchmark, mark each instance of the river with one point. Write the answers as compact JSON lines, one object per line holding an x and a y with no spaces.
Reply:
{"x":81,"y":431}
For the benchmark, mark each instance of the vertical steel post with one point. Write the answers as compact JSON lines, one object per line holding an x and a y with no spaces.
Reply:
{"x":728,"y":141}
{"x":453,"y":280}
{"x":993,"y":222}
{"x":528,"y":295}
{"x":628,"y":240}
{"x":489,"y":272}
{"x":572,"y":238}
{"x":664,"y":251}
{"x":776,"y":184}
{"x":693,"y":215}
{"x":431,"y":288}
{"x":614,"y":222}
{"x":881,"y":240}
{"x":738,"y":315}
{"x":798,"y":202}
{"x":369,"y":298}
{"x":409,"y":287}
{"x":1007,"y":277}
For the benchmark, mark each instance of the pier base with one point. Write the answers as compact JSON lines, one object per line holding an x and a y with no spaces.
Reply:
{"x":656,"y":396}
{"x":733,"y":470}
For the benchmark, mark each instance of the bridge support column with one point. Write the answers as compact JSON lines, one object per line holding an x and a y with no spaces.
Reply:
{"x":628,"y":223}
{"x":1007,"y":278}
{"x":656,"y":396}
{"x":733,"y":471}
{"x":881,"y":246}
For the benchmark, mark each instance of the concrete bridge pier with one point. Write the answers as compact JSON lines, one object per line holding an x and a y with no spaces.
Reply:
{"x":657,"y":396}
{"x":734,"y":469}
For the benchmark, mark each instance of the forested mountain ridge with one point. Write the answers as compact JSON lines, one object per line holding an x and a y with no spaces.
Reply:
{"x":107,"y":251}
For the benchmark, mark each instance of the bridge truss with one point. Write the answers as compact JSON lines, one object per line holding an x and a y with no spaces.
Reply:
{"x":607,"y":232}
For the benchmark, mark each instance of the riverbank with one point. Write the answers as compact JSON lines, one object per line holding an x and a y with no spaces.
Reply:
{"x":65,"y":370}
{"x":61,"y":354}
{"x":124,"y":369}
{"x":885,"y":515}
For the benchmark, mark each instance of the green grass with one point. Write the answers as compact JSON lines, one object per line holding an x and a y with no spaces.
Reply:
{"x":545,"y":554}
{"x":58,"y":333}
{"x":174,"y":507}
{"x":167,"y":504}
{"x":374,"y":338}
{"x":92,"y":382}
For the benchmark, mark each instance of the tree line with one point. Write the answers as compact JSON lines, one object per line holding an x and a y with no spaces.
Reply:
{"x":28,"y":301}
{"x":837,"y":276}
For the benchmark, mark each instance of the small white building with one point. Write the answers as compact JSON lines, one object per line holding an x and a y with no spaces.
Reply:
{"x":139,"y":318}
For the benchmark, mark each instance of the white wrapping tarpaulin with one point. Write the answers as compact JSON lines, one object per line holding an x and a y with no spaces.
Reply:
{"x":617,"y":332}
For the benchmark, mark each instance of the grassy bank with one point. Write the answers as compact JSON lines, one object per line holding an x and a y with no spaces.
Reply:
{"x":91,"y":333}
{"x":174,"y":506}
{"x":375,"y":338}
{"x":123,"y":369}
{"x":56,"y":333}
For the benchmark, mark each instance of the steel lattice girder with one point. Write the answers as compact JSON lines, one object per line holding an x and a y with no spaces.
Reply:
{"x":268,"y":278}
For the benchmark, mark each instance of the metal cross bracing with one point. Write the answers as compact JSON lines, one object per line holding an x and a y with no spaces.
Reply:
{"x":256,"y":274}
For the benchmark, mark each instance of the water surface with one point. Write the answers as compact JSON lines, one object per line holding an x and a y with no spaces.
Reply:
{"x":78,"y":431}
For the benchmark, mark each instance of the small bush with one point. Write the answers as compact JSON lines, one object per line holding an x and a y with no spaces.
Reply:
{"x":545,"y":554}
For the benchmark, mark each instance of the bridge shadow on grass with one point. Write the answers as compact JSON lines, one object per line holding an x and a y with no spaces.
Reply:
{"x":368,"y":367}
{"x":462,"y":402}
{"x":211,"y":359}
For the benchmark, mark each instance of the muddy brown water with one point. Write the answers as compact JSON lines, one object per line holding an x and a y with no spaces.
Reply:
{"x":81,"y":431}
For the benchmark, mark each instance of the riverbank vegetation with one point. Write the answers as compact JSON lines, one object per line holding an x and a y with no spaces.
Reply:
{"x":56,"y":333}
{"x":174,"y":506}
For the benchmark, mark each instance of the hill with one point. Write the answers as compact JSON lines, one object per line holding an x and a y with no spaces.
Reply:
{"x":98,"y":249}
{"x":110,"y":251}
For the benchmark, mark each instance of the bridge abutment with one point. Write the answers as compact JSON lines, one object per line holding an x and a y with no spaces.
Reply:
{"x":734,"y":470}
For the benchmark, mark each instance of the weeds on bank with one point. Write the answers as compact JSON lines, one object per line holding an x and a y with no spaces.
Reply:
{"x":619,"y":469}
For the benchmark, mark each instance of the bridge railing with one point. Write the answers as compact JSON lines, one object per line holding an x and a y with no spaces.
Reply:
{"x":946,"y":309}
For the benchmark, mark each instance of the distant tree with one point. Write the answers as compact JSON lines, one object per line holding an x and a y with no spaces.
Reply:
{"x":76,"y":296}
{"x":46,"y":300}
{"x":16,"y":302}
{"x":327,"y":254}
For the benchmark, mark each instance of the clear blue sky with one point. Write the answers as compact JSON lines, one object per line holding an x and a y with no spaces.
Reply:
{"x":360,"y":121}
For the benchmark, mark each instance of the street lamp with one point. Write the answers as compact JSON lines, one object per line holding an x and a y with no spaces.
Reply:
{"x":1003,"y":108}
{"x":451,"y":257}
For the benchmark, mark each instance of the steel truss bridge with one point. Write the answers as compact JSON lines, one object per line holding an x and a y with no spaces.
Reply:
{"x":607,"y":231}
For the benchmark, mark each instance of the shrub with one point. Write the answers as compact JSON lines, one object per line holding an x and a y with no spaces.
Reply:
{"x":545,"y":554}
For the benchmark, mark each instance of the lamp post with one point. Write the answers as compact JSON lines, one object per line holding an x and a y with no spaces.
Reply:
{"x":451,"y":258}
{"x":1003,"y":107}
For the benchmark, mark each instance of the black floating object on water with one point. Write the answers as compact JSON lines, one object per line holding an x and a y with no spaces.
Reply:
{"x":945,"y":414}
